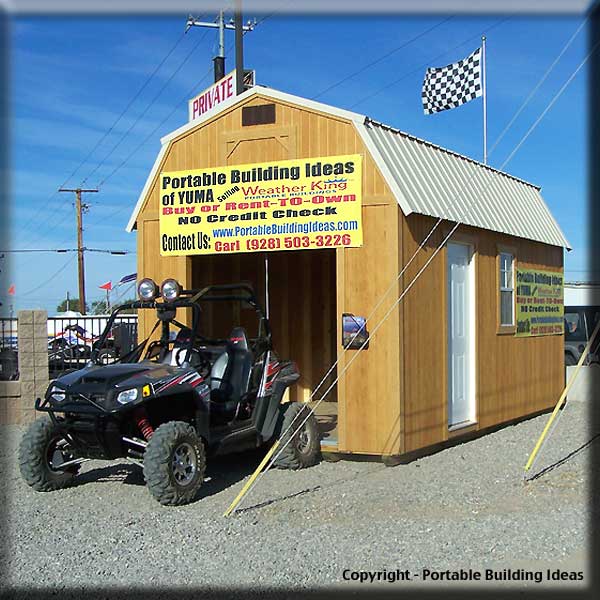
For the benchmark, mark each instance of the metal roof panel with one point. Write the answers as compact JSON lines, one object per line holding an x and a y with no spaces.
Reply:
{"x":440,"y":183}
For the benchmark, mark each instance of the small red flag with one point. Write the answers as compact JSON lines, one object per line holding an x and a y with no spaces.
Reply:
{"x":12,"y":290}
{"x":106,"y":286}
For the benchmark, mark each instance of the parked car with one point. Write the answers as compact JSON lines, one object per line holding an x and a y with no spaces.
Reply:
{"x":579,"y":325}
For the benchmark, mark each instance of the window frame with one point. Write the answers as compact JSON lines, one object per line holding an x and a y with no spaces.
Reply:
{"x":505,"y":329}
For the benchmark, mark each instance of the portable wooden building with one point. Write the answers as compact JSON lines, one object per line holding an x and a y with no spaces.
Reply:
{"x":452,"y":356}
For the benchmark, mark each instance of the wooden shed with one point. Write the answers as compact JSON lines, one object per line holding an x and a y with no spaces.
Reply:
{"x":477,"y":339}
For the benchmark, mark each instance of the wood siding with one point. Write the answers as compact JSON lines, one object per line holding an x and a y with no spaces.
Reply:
{"x":515,"y":376}
{"x":371,"y":415}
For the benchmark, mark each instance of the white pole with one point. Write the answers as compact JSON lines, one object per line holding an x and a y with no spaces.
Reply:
{"x":221,"y":34}
{"x":484,"y":96}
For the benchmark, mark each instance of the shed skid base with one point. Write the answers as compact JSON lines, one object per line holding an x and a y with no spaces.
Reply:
{"x":391,"y":461}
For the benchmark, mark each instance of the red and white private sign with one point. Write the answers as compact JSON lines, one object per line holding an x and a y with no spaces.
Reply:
{"x":216,"y":94}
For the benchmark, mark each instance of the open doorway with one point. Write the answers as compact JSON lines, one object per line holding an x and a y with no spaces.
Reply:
{"x":302,"y":313}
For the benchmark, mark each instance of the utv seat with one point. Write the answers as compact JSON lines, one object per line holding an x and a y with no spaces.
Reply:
{"x":230,"y":373}
{"x":176,"y":355}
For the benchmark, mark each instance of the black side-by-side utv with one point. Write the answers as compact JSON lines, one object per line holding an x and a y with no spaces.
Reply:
{"x":170,"y":402}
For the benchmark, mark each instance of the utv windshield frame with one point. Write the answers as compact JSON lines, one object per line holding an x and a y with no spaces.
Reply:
{"x":166,"y":311}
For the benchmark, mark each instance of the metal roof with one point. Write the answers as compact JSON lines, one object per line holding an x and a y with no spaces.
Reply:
{"x":431,"y":180}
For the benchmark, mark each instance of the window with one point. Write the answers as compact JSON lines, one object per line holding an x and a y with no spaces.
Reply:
{"x":575,"y":327}
{"x":507,"y":290}
{"x":258,"y":115}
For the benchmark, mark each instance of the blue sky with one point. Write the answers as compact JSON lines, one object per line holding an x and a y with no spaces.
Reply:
{"x":72,"y":78}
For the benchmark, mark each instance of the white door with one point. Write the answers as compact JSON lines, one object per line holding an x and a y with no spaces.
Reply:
{"x":461,"y":330}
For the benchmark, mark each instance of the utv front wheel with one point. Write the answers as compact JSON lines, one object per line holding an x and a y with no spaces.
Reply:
{"x":41,"y":452}
{"x":174,"y":463}
{"x":304,"y":448}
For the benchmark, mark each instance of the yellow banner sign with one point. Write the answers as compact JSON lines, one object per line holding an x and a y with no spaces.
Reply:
{"x":540,"y":306}
{"x":286,"y":205}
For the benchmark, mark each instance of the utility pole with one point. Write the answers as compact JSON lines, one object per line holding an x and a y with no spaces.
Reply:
{"x":79,"y":207}
{"x":221,"y":25}
{"x":239,"y":49}
{"x":219,"y":60}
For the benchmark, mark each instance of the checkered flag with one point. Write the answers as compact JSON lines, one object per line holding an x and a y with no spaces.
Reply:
{"x":453,"y":85}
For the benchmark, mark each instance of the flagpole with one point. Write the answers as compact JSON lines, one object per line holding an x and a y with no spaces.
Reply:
{"x":484,"y":96}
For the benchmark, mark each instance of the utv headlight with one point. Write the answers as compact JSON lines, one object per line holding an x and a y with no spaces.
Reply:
{"x":57,"y":394}
{"x":170,"y":290}
{"x":127,"y":396}
{"x":147,"y":289}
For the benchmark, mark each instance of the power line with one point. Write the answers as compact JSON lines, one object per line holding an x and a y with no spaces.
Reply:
{"x":80,"y":208}
{"x":58,"y":272}
{"x":428,"y":62}
{"x":144,"y":112}
{"x":269,"y":15}
{"x":129,"y":104}
{"x":384,"y":56}
{"x":136,"y":150}
{"x":118,"y":119}
{"x":538,"y":85}
{"x":151,"y":134}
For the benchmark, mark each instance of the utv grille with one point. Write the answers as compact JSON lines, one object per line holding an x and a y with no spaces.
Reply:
{"x":82,"y":399}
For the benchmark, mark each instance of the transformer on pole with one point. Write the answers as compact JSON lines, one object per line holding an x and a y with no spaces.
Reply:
{"x":221,"y":25}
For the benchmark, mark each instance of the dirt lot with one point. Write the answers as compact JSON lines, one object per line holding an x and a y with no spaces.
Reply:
{"x":465,"y":507}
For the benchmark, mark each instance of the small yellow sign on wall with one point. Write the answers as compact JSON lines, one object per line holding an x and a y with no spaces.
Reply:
{"x":540,"y":305}
{"x":303,"y":204}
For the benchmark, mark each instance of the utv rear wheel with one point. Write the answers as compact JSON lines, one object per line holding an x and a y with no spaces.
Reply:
{"x":304,"y":448}
{"x":41,"y":452}
{"x":174,"y":463}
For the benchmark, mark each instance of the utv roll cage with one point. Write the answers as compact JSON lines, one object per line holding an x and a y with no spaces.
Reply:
{"x":166,"y":311}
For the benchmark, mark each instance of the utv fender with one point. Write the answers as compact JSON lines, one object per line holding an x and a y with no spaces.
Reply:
{"x":202,"y":423}
{"x":273,"y":412}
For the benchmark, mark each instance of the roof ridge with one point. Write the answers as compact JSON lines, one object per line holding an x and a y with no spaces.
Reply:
{"x":410,"y":136}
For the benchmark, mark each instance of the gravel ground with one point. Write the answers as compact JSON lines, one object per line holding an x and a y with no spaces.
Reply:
{"x":464,"y":507}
